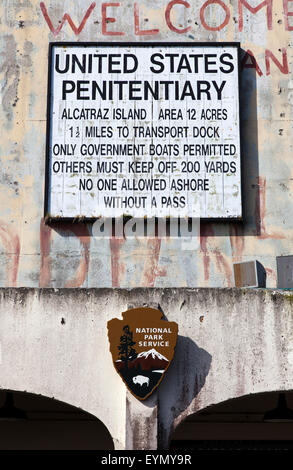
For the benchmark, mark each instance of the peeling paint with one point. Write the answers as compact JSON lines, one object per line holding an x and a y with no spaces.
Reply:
{"x":11,"y":72}
{"x":11,"y":244}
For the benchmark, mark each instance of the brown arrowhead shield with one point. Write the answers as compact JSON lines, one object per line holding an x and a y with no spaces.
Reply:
{"x":142,"y":347}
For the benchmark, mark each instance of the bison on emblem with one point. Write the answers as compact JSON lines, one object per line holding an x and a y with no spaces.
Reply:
{"x":141,"y":380}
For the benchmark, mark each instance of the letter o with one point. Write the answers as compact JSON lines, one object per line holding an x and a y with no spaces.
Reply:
{"x":202,"y":12}
{"x":56,"y":164}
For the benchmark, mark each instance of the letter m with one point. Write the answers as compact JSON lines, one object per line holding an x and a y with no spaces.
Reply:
{"x":267,"y":3}
{"x":66,"y":17}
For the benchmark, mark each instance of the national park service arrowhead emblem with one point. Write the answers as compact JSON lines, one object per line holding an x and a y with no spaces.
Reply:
{"x":142,"y":347}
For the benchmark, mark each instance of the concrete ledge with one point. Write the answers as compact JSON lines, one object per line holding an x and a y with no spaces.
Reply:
{"x":232,"y":342}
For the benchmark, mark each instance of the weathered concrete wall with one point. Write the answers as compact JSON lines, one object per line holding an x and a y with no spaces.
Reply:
{"x":67,"y":255}
{"x":232,"y":342}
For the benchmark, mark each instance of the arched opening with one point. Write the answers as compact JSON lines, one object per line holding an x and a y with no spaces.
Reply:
{"x":33,"y":422}
{"x":240,"y":424}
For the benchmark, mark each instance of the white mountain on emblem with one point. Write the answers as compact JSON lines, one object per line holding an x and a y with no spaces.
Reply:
{"x":154,"y":353}
{"x":146,"y":361}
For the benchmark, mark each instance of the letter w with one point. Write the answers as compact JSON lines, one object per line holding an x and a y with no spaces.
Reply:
{"x":67,"y":17}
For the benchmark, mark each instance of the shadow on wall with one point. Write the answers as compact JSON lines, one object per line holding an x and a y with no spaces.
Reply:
{"x":253,"y":186}
{"x":184,"y":379}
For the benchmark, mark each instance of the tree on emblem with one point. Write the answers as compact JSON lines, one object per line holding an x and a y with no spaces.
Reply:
{"x":126,"y":350}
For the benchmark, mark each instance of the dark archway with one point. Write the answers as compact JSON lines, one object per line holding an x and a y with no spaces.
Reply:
{"x":236,"y":424}
{"x":41,"y":423}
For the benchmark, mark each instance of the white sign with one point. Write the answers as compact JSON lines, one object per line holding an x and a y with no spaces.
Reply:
{"x":143,"y":130}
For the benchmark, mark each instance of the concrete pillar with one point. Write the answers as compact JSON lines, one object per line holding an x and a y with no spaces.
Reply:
{"x":141,"y":422}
